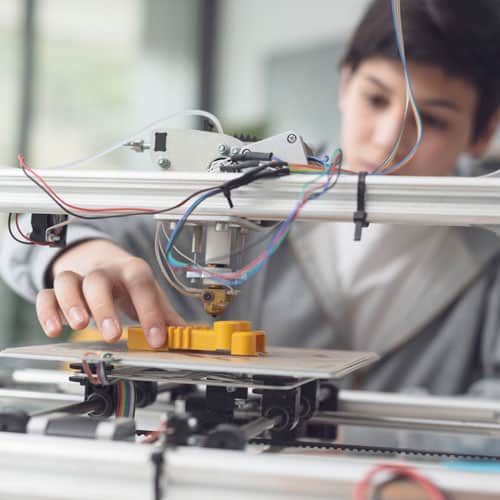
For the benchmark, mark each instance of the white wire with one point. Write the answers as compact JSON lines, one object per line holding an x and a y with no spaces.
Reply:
{"x":96,"y":156}
{"x":167,"y":237}
{"x":189,"y":259}
{"x":399,"y":33}
{"x":172,"y":279}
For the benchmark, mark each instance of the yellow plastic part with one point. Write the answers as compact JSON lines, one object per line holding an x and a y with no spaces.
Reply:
{"x":91,"y":335}
{"x":235,"y":337}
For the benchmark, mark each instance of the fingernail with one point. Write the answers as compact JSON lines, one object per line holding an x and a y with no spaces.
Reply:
{"x":76,"y":315}
{"x":109,"y":329}
{"x":51,"y":327}
{"x":156,"y":337}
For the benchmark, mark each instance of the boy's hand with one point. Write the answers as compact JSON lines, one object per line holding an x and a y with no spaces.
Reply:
{"x":95,"y":279}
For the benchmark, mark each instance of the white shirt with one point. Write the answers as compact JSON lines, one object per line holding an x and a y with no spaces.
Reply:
{"x":391,"y":266}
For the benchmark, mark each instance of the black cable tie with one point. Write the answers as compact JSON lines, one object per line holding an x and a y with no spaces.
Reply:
{"x":227,"y":193}
{"x":360,"y":215}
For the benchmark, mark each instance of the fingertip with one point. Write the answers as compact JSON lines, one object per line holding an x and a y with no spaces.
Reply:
{"x":52,"y":328}
{"x":79,"y":318}
{"x":112,"y":340}
{"x":111,"y":330}
{"x":156,"y":336}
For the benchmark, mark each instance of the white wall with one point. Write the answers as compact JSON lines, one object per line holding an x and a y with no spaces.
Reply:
{"x":251,"y":31}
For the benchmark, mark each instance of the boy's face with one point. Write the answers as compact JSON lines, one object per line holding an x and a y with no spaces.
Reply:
{"x":372,"y":104}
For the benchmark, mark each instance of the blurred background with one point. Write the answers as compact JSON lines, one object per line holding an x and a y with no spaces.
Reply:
{"x":79,"y":76}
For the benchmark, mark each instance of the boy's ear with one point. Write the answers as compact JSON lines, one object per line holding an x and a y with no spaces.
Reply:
{"x":481,"y":144}
{"x":345,"y":77}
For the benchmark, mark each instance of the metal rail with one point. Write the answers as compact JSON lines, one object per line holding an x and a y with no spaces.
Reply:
{"x":415,"y":200}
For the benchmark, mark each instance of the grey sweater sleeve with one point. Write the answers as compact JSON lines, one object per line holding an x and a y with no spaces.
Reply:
{"x":24,"y":267}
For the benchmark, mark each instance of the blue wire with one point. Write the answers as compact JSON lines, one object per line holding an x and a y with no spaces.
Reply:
{"x":410,"y":88}
{"x":272,"y":247}
{"x":171,"y":259}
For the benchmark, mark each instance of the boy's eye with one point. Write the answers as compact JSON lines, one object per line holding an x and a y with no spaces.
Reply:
{"x":376,"y":101}
{"x":434,"y":122}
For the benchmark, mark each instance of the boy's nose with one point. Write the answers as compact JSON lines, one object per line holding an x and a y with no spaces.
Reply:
{"x":388,"y":129}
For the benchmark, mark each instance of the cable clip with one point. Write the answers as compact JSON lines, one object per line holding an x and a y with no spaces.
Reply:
{"x":360,"y":216}
{"x":101,"y":366}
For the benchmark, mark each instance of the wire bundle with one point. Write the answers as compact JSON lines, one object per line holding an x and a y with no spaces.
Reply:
{"x":385,"y":167}
{"x":310,"y":191}
{"x":125,"y":398}
{"x":100,"y":377}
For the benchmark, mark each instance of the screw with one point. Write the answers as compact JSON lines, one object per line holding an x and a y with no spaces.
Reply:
{"x":208,"y":296}
{"x":291,"y":138}
{"x":235,"y":150}
{"x":222,"y":149}
{"x":192,"y":423}
{"x":163,"y":162}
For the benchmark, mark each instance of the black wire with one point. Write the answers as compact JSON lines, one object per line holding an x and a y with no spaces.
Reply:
{"x":112,"y":216}
{"x":158,"y":462}
{"x":241,"y":251}
{"x":13,"y":236}
{"x":246,"y":178}
{"x":243,"y":180}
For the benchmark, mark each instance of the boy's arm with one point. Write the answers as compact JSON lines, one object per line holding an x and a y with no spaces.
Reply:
{"x":91,"y":278}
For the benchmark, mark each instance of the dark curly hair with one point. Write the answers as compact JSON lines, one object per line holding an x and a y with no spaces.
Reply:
{"x":460,"y":36}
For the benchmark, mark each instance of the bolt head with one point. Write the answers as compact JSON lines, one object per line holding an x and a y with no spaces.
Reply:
{"x":235,"y":150}
{"x":163,"y":162}
{"x":222,"y":149}
{"x":291,"y":138}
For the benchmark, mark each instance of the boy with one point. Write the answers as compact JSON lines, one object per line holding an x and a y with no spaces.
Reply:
{"x":426,"y":299}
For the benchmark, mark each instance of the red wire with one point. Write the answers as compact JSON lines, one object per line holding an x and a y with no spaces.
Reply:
{"x":132,"y":210}
{"x":23,"y":164}
{"x":93,"y":379}
{"x":25,"y":236}
{"x":154,"y":435}
{"x":19,"y":230}
{"x":258,"y":259}
{"x":430,"y":488}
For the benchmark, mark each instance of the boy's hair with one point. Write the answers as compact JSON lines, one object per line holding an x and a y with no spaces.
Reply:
{"x":460,"y":36}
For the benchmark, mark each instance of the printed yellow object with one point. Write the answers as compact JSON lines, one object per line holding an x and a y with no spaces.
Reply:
{"x":235,"y":337}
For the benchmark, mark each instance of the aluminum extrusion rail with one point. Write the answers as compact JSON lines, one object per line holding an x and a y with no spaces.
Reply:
{"x":409,"y":200}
